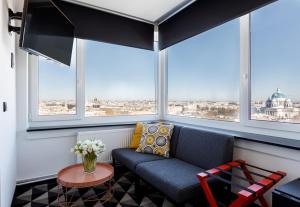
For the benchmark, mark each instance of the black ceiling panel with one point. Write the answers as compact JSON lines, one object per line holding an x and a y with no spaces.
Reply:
{"x":102,"y":26}
{"x":201,"y":16}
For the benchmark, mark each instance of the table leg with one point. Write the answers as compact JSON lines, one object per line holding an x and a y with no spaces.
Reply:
{"x":58,"y":195}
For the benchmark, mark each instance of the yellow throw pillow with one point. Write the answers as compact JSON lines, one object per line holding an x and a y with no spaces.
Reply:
{"x":156,"y":139}
{"x":136,"y":138}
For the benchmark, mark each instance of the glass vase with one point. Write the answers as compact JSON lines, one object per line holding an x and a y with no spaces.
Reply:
{"x":89,"y":163}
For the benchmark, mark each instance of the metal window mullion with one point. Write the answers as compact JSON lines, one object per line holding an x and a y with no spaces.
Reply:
{"x":33,"y":87}
{"x":164,"y":84}
{"x":80,"y":82}
{"x":245,"y":87}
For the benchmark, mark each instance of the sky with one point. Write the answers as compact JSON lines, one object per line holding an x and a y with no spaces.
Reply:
{"x":57,"y":81}
{"x":118,"y":72}
{"x":205,"y":67}
{"x":276,"y":50}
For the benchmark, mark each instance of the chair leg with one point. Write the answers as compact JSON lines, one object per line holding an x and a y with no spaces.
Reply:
{"x":114,"y":162}
{"x":114,"y":166}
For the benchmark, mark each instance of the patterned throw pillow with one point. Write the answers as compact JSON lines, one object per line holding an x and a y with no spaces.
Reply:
{"x":156,"y":139}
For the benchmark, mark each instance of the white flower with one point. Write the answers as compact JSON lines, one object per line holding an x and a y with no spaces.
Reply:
{"x":88,"y":146}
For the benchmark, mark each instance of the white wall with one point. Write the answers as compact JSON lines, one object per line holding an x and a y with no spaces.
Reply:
{"x":43,"y":154}
{"x":7,"y":119}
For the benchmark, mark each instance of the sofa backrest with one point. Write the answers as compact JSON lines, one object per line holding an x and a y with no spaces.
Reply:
{"x":174,"y":140}
{"x":205,"y":149}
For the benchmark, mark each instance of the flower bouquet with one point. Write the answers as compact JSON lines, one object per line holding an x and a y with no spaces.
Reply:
{"x":89,"y":150}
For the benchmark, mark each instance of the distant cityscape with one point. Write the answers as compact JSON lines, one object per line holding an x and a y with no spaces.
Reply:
{"x":97,"y":107}
{"x":57,"y":107}
{"x":278,"y":107}
{"x":218,"y":110}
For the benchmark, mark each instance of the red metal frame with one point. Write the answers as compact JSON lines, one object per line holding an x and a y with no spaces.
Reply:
{"x":244,"y":197}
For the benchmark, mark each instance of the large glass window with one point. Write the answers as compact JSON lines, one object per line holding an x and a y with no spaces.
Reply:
{"x":203,"y":74}
{"x":119,"y":80}
{"x":56,"y":87}
{"x":275,"y":62}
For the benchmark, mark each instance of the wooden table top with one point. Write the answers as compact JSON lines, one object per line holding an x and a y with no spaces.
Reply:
{"x":74,"y":176}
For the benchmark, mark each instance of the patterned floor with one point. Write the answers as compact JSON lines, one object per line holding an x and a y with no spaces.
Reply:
{"x":45,"y":195}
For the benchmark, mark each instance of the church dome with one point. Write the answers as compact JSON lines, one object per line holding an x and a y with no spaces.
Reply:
{"x":278,"y":94}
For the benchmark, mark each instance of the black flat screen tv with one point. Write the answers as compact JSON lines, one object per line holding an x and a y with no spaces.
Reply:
{"x":46,"y":31}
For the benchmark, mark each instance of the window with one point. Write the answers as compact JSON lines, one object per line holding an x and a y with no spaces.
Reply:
{"x":119,"y":80}
{"x":56,"y":87}
{"x":203,"y":74}
{"x":104,"y":80}
{"x":275,"y":62}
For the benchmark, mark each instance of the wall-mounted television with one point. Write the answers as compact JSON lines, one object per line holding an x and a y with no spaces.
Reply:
{"x":46,"y":31}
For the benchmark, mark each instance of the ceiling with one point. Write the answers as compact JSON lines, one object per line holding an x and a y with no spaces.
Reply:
{"x":148,"y":10}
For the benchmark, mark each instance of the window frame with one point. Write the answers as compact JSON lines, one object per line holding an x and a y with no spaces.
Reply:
{"x":246,"y":67}
{"x":206,"y":122}
{"x":36,"y":120}
{"x":34,"y":115}
{"x":126,"y":117}
{"x":246,"y":124}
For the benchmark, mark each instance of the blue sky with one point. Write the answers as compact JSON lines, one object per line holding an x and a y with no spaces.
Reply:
{"x":276,"y":49}
{"x":57,"y":81}
{"x":206,"y":66}
{"x":203,"y":67}
{"x":118,"y":72}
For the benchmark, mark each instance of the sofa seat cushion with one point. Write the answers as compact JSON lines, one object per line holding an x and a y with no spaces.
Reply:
{"x":130,"y":158}
{"x":173,"y":177}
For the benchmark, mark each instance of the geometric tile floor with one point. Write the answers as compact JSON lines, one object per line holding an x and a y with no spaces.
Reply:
{"x":45,"y":195}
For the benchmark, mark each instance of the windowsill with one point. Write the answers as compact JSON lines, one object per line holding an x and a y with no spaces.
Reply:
{"x":270,"y":140}
{"x":35,"y":129}
{"x":84,"y":126}
{"x":280,"y":140}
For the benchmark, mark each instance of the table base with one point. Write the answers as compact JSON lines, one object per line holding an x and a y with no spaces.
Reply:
{"x":102,"y":197}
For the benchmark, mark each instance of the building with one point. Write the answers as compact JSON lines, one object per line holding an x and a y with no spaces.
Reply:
{"x":280,"y":106}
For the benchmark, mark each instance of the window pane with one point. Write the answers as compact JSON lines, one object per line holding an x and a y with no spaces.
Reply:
{"x":57,"y":87}
{"x":275,"y":62}
{"x":203,"y":74}
{"x":119,"y":80}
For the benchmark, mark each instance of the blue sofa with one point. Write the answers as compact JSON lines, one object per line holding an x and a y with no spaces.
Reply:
{"x":192,"y":151}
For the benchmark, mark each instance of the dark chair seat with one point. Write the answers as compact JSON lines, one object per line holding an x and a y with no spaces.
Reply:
{"x":173,"y":177}
{"x":130,"y":158}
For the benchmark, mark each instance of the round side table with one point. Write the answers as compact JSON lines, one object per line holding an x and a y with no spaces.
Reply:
{"x":74,"y":177}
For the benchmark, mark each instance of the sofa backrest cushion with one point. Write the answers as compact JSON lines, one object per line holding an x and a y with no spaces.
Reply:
{"x":174,"y":140}
{"x":205,"y":149}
